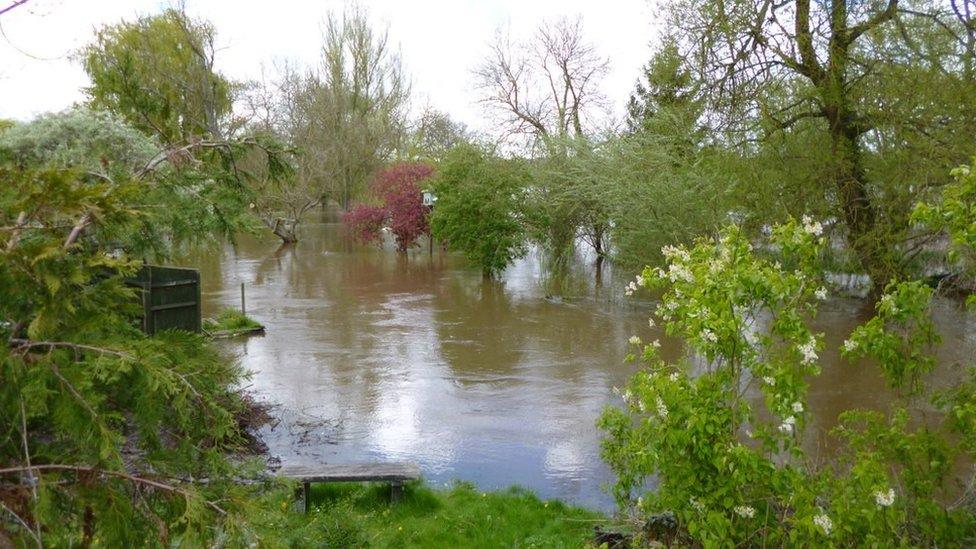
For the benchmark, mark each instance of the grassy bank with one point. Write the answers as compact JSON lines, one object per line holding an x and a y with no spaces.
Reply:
{"x":359,"y":515}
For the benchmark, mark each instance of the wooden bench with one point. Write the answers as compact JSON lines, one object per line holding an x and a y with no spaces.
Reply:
{"x":394,"y":473}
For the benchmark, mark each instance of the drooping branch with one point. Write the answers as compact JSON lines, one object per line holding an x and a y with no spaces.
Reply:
{"x":86,"y":469}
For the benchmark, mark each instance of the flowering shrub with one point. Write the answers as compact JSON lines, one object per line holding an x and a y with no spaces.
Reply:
{"x":402,"y":209}
{"x":721,"y":431}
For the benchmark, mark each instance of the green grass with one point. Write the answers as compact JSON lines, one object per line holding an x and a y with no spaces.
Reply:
{"x":360,"y":515}
{"x":230,"y":320}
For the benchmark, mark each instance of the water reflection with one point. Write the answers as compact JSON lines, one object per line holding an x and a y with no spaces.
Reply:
{"x":373,"y":355}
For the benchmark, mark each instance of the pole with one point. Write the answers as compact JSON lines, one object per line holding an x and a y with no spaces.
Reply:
{"x":243,"y":308}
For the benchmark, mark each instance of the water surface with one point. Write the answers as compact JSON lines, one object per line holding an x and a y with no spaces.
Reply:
{"x":370,"y":355}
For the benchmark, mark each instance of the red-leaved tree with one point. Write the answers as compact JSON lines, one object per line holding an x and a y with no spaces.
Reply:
{"x":398,"y":187}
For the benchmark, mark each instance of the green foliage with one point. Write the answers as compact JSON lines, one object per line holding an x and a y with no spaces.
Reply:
{"x":478,"y":207}
{"x":734,"y":472}
{"x":955,"y":215}
{"x":181,"y":197}
{"x":461,"y":516}
{"x":158,"y":74}
{"x":105,"y":422}
{"x":95,"y":141}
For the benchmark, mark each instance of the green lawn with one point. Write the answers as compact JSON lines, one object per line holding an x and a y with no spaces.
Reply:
{"x":360,"y":515}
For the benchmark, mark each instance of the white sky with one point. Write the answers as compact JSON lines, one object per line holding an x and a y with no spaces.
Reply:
{"x":441,"y":41}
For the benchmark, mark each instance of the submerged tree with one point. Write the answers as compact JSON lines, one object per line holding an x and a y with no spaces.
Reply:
{"x":544,"y":94}
{"x":399,"y":190}
{"x":479,"y":199}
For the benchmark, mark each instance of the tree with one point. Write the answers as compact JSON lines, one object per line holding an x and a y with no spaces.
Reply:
{"x":353,"y":107}
{"x":183,"y":198}
{"x":158,"y":74}
{"x":546,"y":88}
{"x":106,"y":426}
{"x":544,"y":93}
{"x":434,"y":134}
{"x":771,"y":68}
{"x":399,"y":190}
{"x":478,"y":205}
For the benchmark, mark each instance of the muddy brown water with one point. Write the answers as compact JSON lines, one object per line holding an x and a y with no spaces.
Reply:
{"x":370,"y":355}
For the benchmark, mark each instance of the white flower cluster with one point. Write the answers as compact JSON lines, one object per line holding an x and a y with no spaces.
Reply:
{"x":677,"y":272}
{"x":821,"y":293}
{"x":634,"y":340}
{"x":672,"y":252}
{"x":662,"y":409}
{"x":656,"y":344}
{"x":887,"y":301}
{"x":809,"y":351}
{"x":824,"y":522}
{"x":884,"y":499}
{"x":811,"y":227}
{"x":850,"y":345}
{"x":798,"y":407}
{"x":745,"y":511}
{"x":673,"y":377}
{"x":788,"y":425}
{"x":650,"y":322}
{"x":769,"y":380}
{"x":709,"y":336}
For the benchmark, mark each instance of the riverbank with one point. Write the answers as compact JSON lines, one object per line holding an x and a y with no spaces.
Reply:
{"x":360,"y":515}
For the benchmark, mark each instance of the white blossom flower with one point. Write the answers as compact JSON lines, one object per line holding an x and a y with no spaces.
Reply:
{"x":639,"y":280}
{"x":709,"y":336}
{"x":628,"y":396}
{"x":821,"y":293}
{"x":630,"y":289}
{"x":678,"y":272}
{"x":798,"y":407}
{"x":812,"y":227}
{"x":824,"y":522}
{"x":884,"y":499}
{"x":656,"y":344}
{"x":745,"y":511}
{"x":787,"y":426}
{"x":634,"y":340}
{"x":695,"y":504}
{"x":850,"y":345}
{"x":674,"y":376}
{"x":769,"y":380}
{"x":650,"y":323}
{"x":662,"y":409}
{"x":809,"y":351}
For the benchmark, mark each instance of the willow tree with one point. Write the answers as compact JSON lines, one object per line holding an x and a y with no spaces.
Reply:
{"x":770,"y":68}
{"x":158,"y":73}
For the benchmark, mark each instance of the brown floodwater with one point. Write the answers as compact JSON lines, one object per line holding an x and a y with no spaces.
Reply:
{"x":372,"y":355}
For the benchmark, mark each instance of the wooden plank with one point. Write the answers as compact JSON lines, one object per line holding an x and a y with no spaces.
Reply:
{"x":352,"y":472}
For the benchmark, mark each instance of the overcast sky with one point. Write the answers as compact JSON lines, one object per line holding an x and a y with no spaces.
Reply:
{"x":441,"y":41}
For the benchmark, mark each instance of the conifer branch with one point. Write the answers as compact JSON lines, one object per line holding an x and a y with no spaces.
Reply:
{"x":134,"y":479}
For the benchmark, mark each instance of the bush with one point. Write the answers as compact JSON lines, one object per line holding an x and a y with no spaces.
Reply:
{"x":478,"y":207}
{"x":736,"y":474}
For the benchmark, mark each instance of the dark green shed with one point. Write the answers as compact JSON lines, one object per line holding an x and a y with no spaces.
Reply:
{"x":170,"y":298}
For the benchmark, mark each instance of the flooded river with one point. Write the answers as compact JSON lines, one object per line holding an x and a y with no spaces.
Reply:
{"x":370,"y":355}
